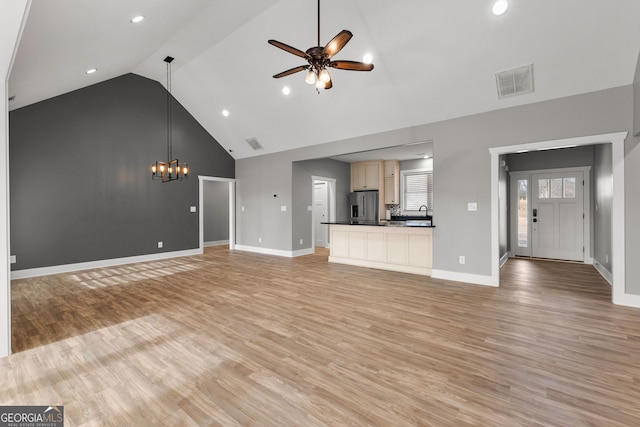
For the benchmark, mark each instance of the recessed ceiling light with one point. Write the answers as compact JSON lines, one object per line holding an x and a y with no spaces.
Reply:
{"x":225,"y":113}
{"x":286,"y":90}
{"x":367,"y":58}
{"x":500,"y":7}
{"x":137,"y":19}
{"x":91,"y":70}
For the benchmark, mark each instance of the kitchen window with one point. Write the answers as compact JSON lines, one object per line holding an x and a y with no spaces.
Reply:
{"x":416,"y":187}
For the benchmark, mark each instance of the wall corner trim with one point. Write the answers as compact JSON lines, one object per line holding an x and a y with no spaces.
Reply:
{"x":606,"y":274}
{"x":68,"y":268}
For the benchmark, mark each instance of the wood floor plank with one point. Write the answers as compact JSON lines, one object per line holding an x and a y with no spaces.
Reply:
{"x":232,"y":338}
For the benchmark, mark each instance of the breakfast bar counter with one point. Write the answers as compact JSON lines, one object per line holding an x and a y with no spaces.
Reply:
{"x":405,"y":249}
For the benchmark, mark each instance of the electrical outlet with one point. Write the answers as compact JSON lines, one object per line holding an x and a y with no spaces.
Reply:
{"x":310,"y":208}
{"x":259,"y":239}
{"x":242,"y":209}
{"x":606,"y":259}
{"x":461,"y":259}
{"x":160,"y":244}
{"x":472,"y":206}
{"x":283,"y":208}
{"x":193,"y":209}
{"x":301,"y":241}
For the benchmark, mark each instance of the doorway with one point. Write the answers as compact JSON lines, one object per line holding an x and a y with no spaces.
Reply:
{"x":323,"y":209}
{"x":619,"y":294}
{"x":231,"y":194}
{"x":550,"y":214}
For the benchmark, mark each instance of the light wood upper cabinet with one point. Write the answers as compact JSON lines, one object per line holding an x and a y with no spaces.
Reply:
{"x":391,"y":182}
{"x":365,"y":176}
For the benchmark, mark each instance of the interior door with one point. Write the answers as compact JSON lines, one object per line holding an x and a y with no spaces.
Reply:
{"x":557,"y":216}
{"x":320,"y":213}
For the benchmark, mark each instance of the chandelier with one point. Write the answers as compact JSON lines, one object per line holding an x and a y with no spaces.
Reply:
{"x":172,"y":169}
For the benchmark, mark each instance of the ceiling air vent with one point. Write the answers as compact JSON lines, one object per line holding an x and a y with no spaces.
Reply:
{"x":515,"y":81}
{"x":253,"y":142}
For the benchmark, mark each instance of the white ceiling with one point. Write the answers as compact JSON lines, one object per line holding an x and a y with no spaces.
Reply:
{"x":433,"y":60}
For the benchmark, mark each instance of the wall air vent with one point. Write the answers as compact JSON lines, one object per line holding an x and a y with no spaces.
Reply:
{"x":253,"y":143}
{"x":515,"y":81}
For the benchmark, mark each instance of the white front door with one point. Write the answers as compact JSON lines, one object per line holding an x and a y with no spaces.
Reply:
{"x":557,"y":216}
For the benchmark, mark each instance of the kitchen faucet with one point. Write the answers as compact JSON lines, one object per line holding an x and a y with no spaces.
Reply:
{"x":426,"y":209}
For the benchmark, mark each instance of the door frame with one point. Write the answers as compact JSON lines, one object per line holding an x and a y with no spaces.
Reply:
{"x":331,"y":210}
{"x":232,"y":209}
{"x":618,"y":294}
{"x":586,"y":206}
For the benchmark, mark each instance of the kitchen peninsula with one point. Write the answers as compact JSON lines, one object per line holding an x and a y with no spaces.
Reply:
{"x":404,"y":248}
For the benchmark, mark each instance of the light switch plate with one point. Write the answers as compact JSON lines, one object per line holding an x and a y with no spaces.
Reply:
{"x":472,"y":206}
{"x":193,"y":208}
{"x":310,"y":208}
{"x":12,"y":259}
{"x":283,"y":208}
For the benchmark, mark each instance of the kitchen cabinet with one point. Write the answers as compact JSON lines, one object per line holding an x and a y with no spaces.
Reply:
{"x":365,"y":176}
{"x":391,"y":182}
{"x":405,"y":249}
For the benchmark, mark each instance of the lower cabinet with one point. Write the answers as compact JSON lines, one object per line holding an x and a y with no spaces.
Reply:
{"x":406,"y":249}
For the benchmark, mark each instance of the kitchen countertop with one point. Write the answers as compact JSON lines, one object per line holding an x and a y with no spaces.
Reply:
{"x":384,"y":223}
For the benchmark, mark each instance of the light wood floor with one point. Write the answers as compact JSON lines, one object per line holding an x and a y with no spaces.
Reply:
{"x":238,"y":339}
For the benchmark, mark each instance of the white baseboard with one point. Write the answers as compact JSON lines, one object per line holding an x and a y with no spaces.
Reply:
{"x":302,"y":252}
{"x":504,"y":258}
{"x":628,"y":300}
{"x":216,"y":243}
{"x":603,"y":272}
{"x":276,"y":252}
{"x":68,"y":268}
{"x":475,"y":279}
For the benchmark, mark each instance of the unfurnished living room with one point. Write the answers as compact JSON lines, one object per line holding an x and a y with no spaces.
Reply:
{"x":313,"y":213}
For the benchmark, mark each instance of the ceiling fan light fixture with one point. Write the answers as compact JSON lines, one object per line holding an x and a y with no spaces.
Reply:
{"x":324,"y":76}
{"x":367,"y":58}
{"x":311,"y":77}
{"x":320,"y":58}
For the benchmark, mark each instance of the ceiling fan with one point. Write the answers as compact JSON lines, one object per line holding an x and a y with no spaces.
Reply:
{"x":320,"y":58}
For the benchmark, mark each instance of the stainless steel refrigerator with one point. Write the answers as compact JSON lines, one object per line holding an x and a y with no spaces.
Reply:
{"x":363,"y":207}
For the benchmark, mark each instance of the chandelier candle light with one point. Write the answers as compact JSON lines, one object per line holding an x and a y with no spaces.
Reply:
{"x":172,"y":169}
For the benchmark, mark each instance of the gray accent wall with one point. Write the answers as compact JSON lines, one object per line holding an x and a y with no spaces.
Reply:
{"x":303,"y":195}
{"x":551,"y":159}
{"x":215,"y":211}
{"x":462,"y":172}
{"x":81,"y":187}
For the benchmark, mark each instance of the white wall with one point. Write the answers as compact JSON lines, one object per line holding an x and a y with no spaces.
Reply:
{"x":12,"y":15}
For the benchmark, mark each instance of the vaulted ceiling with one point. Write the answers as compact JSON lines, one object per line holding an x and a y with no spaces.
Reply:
{"x":434,"y":60}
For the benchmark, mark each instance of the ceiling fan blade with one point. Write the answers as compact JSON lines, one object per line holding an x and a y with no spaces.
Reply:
{"x":337,"y":43}
{"x":351,"y":65}
{"x":291,"y":71}
{"x":289,"y":49}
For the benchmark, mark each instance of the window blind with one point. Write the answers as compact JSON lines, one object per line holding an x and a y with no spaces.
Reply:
{"x":417,"y":190}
